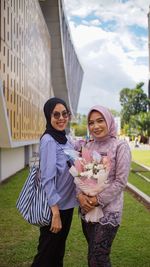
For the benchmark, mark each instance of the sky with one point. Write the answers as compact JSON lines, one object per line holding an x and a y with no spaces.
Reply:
{"x":111,"y":40}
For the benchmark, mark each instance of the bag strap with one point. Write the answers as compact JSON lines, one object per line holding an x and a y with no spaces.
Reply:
{"x":35,"y":160}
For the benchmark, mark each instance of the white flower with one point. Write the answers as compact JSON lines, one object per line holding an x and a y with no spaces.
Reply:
{"x":89,"y":166}
{"x":87,"y":174}
{"x":96,"y":176}
{"x":99,"y":167}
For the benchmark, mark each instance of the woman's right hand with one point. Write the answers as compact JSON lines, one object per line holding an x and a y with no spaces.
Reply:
{"x":85,"y":202}
{"x":56,"y":223}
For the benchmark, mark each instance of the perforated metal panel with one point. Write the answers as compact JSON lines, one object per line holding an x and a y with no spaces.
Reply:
{"x":25,"y":47}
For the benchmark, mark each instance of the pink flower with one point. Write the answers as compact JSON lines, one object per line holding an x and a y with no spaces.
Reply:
{"x":91,"y":173}
{"x":86,"y":155}
{"x":106,"y":162}
{"x":79,"y":166}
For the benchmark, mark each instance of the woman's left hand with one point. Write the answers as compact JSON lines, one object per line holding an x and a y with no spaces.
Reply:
{"x":56,"y":224}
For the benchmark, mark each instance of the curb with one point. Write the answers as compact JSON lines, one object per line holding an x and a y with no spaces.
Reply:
{"x":142,"y":165}
{"x":139,"y":194}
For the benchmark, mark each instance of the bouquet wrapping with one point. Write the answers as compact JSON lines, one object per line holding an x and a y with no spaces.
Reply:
{"x":90,"y":176}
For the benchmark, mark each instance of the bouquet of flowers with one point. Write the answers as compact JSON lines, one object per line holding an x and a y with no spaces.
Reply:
{"x":91,"y":172}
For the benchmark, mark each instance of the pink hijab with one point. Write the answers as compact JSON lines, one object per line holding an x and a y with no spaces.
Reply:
{"x":112,"y":131}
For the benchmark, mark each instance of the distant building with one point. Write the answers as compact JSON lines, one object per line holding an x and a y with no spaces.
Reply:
{"x":37,"y":61}
{"x":118,"y":125}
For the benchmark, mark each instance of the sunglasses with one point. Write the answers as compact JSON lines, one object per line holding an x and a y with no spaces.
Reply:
{"x":64,"y":114}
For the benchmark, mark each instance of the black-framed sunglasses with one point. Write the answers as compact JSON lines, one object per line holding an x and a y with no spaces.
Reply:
{"x":57,"y":114}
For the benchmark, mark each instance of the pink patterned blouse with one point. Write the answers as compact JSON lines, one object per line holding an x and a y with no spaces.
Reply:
{"x":111,"y":198}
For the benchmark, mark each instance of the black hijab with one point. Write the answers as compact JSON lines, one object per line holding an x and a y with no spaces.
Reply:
{"x":59,"y":136}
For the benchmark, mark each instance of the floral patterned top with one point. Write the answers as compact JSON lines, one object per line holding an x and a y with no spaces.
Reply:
{"x":111,"y":198}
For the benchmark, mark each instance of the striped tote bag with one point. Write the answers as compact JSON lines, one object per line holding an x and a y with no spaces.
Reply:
{"x":32,"y":202}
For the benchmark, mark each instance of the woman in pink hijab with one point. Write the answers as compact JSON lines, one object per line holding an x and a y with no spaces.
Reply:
{"x":101,"y":234}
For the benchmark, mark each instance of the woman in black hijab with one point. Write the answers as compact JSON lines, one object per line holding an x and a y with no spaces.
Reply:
{"x":58,"y":185}
{"x":59,"y":136}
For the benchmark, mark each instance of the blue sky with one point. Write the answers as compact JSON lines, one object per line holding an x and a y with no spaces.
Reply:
{"x":111,"y":40}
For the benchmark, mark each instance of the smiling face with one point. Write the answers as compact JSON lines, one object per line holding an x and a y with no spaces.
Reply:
{"x":97,"y":125}
{"x":59,"y":117}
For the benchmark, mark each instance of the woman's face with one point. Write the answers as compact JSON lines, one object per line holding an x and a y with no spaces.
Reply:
{"x":59,"y":117}
{"x":97,"y":125}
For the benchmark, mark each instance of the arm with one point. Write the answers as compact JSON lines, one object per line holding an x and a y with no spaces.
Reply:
{"x":48,"y":174}
{"x":123,"y":160}
{"x":48,"y":170}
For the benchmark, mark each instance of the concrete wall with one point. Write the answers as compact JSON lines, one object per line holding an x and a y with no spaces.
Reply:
{"x":12,"y":160}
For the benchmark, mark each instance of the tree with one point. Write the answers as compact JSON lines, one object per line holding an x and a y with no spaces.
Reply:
{"x":80,"y":130}
{"x":115,"y":113}
{"x":79,"y":125}
{"x":141,"y":123}
{"x":133,"y":101}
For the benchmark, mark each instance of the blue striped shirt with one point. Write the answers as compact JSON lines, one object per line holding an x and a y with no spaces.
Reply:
{"x":55,"y":177}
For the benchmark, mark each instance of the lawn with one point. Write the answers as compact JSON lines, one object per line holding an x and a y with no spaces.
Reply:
{"x":131,"y":246}
{"x":139,"y":181}
{"x":19,"y":239}
{"x":141,"y":156}
{"x":136,"y":167}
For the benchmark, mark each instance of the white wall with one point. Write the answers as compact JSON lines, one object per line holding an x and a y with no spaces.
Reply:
{"x":11,"y":161}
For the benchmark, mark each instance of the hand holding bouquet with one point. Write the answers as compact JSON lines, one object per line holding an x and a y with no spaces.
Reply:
{"x":91,"y":172}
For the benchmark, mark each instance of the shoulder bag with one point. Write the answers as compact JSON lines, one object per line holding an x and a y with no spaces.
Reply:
{"x":32,"y":202}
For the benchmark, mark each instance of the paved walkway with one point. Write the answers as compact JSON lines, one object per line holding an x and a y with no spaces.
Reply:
{"x":141,"y":146}
{"x":138,"y":193}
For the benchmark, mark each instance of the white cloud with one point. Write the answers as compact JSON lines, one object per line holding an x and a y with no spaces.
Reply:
{"x":112,"y":56}
{"x":130,"y":12}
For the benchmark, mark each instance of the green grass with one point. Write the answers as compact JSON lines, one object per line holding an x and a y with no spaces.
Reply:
{"x":139,"y":182}
{"x":134,"y":178}
{"x":19,"y":239}
{"x":141,"y":156}
{"x":131,"y":247}
{"x":132,"y":240}
{"x":138,"y":168}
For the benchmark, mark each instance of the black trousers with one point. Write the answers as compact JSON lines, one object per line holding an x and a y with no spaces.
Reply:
{"x":99,"y":238}
{"x":51,"y":248}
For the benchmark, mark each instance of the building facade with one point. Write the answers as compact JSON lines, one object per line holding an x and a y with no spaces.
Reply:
{"x":37,"y":61}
